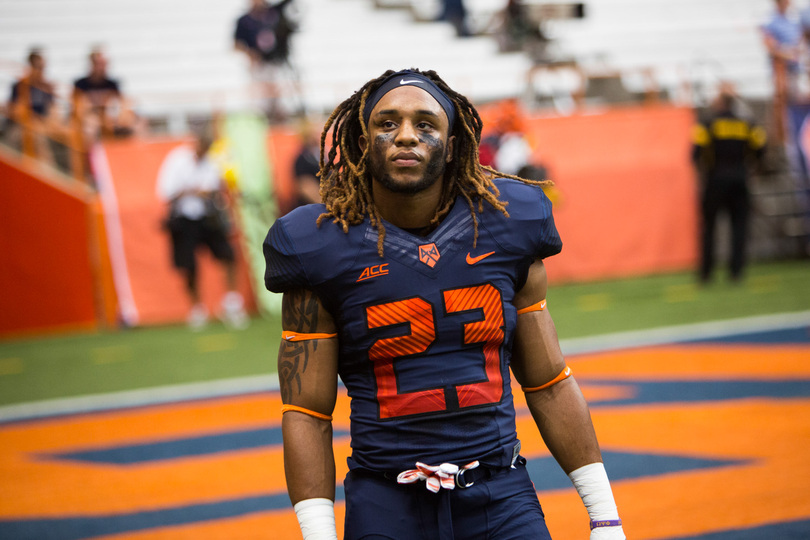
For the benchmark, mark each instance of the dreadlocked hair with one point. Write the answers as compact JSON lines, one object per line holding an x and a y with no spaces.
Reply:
{"x":345,"y":184}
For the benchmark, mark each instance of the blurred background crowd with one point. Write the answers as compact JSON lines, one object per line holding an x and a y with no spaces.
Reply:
{"x":100,"y":93}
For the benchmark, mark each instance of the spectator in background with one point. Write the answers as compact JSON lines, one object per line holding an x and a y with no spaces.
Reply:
{"x":508,"y":149}
{"x":723,"y":146}
{"x":101,"y":107}
{"x":517,"y":30}
{"x":454,"y":12}
{"x":782,"y":37}
{"x":514,"y":152}
{"x":191,"y":183}
{"x":263,"y":34}
{"x":505,"y":147}
{"x":307,"y":166}
{"x":34,"y":123}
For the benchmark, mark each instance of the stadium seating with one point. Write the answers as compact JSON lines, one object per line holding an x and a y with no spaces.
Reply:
{"x":697,"y":41}
{"x":343,"y":43}
{"x":177,"y":58}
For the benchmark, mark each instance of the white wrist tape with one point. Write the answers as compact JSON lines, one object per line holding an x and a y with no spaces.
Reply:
{"x":593,"y":486}
{"x":316,"y":517}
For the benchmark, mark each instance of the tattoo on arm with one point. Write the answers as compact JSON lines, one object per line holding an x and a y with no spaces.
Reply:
{"x":292,"y":363}
{"x":300,"y":311}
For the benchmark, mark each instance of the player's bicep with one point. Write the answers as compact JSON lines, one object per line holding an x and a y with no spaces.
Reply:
{"x":308,"y":353}
{"x":536,"y":355}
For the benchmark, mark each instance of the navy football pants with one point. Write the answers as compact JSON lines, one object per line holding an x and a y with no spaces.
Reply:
{"x":504,"y":507}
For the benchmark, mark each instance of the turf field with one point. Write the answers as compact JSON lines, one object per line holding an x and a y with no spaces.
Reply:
{"x":700,"y":397}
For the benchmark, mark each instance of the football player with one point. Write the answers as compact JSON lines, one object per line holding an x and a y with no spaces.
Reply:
{"x":420,"y":282}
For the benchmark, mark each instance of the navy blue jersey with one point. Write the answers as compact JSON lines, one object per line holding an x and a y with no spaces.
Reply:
{"x":425,"y":331}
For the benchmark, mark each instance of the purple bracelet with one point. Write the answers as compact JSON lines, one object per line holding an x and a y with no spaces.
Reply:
{"x":606,"y":523}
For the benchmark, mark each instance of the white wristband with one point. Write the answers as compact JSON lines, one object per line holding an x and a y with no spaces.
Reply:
{"x":593,"y":486}
{"x":316,"y":517}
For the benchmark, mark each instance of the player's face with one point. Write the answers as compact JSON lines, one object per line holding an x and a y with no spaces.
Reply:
{"x":409,"y":144}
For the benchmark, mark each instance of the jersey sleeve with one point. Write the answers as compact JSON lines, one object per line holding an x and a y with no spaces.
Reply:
{"x":284,"y":269}
{"x":530,"y":228}
{"x":300,"y":254}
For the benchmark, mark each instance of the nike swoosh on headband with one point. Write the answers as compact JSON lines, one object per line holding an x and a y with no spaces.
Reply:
{"x":404,"y":78}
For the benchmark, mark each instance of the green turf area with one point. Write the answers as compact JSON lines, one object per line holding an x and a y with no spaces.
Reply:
{"x":650,"y":302}
{"x":136,"y":358}
{"x":37,"y":369}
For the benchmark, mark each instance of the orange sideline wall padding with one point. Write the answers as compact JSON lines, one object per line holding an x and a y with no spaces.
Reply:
{"x":628,"y":192}
{"x":628,"y":189}
{"x":157,"y":290}
{"x":46,"y":276}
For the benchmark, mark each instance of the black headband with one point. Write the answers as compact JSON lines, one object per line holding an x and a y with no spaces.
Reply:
{"x":411,"y":78}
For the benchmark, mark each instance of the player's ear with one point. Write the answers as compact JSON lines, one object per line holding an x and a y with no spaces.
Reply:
{"x":450,"y":144}
{"x":362,"y":142}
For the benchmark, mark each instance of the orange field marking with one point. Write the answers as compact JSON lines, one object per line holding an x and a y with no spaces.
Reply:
{"x":751,"y":453}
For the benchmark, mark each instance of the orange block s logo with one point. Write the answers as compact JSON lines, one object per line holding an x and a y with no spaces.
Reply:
{"x":373,"y":271}
{"x":429,"y":254}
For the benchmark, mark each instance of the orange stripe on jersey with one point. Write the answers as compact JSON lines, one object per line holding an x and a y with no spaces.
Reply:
{"x":564,"y":374}
{"x":539,"y":306}
{"x":300,"y":336}
{"x":296,"y":408}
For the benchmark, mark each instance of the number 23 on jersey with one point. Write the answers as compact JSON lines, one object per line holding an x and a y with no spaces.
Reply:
{"x":420,"y":334}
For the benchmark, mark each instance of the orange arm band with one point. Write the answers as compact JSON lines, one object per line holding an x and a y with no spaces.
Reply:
{"x":300,"y":336}
{"x":296,"y":408}
{"x":539,"y":306}
{"x":564,"y":374}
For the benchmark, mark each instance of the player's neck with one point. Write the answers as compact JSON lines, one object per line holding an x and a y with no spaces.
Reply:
{"x":408,"y":210}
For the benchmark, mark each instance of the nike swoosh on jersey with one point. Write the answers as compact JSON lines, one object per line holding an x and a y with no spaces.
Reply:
{"x":412,"y":81}
{"x":479,"y":258}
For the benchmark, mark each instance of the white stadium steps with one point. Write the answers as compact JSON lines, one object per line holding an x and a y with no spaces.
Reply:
{"x":177,"y":56}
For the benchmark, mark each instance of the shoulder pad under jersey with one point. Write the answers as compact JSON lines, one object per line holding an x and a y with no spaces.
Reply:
{"x":530,"y":228}
{"x":299,"y":254}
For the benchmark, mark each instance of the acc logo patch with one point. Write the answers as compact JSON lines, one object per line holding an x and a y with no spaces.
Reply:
{"x":429,"y":254}
{"x":373,"y":271}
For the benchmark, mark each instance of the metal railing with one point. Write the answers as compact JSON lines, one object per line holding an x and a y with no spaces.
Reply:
{"x":51,"y":138}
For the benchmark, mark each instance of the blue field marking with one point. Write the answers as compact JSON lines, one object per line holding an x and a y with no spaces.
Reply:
{"x":180,"y":448}
{"x":75,"y":528}
{"x":547,"y":474}
{"x":642,"y":393}
{"x":790,"y":530}
{"x":646,"y":392}
{"x":782,"y":336}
